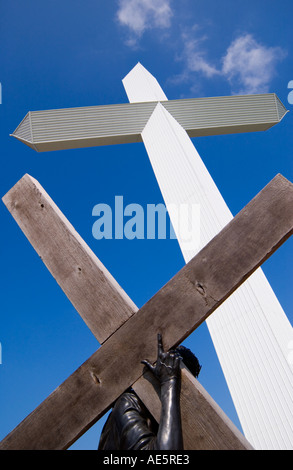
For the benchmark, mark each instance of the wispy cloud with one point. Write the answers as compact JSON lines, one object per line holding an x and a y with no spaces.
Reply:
{"x":250,"y":66}
{"x":140,"y":15}
{"x":194,"y":55}
{"x":247,"y":65}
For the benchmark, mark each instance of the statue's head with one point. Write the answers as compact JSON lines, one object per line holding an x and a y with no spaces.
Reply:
{"x":190,"y":360}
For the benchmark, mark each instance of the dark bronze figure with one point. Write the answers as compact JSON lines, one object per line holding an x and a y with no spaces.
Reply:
{"x":131,"y":427}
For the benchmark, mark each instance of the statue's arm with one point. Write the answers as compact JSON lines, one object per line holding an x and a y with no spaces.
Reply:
{"x":167,"y":371}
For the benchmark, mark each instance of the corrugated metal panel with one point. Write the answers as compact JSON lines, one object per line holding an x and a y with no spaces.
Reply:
{"x":280,"y":108}
{"x":123,"y":123}
{"x":250,"y":331}
{"x":23,"y":130}
{"x":225,"y":114}
{"x":94,"y":121}
{"x":88,"y":126}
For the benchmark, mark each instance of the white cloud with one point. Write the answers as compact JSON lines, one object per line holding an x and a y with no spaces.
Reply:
{"x":140,"y":15}
{"x":194,"y":55}
{"x":250,"y":66}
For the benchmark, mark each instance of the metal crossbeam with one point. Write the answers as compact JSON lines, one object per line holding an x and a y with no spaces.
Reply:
{"x":92,"y":126}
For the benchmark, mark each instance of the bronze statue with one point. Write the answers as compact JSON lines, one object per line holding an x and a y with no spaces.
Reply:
{"x":131,"y":427}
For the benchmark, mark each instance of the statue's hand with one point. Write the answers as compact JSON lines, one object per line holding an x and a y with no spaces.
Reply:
{"x":167,"y":366}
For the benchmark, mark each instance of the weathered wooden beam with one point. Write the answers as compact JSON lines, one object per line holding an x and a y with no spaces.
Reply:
{"x":81,"y":275}
{"x":75,"y":266}
{"x":178,"y":308}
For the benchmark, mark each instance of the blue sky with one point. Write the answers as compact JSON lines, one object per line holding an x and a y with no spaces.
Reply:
{"x":71,"y":53}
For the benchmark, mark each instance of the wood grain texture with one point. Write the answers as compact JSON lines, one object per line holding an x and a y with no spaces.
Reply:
{"x":176,"y":310}
{"x":95,"y":294}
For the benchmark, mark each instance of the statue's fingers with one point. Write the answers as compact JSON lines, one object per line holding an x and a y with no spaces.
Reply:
{"x":178,"y":359}
{"x":174,"y":357}
{"x":149,"y":365}
{"x":160,"y":345}
{"x":171,"y":355}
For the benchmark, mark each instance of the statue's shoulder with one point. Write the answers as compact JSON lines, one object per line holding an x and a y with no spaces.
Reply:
{"x":128,"y":400}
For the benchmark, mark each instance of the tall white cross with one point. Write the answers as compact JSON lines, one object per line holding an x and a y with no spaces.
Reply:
{"x":250,"y":331}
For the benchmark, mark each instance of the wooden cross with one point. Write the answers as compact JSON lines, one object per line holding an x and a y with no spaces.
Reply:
{"x":128,"y":335}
